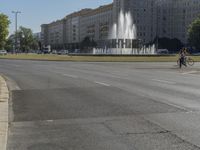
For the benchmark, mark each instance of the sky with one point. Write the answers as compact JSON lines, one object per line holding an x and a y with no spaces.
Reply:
{"x":37,"y":12}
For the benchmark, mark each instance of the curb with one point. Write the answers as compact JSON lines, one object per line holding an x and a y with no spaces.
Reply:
{"x":4,"y":97}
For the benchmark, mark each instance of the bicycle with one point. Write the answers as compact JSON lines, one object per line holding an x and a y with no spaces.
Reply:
{"x":188,"y":60}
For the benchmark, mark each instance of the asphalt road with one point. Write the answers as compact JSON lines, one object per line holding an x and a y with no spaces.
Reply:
{"x":102,"y":106}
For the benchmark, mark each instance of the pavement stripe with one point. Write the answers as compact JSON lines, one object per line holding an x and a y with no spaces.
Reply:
{"x":101,"y":83}
{"x":164,"y":81}
{"x":71,"y":76}
{"x":49,"y":120}
{"x":190,"y":72}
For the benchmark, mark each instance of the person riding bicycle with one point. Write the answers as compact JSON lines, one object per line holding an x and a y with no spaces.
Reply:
{"x":182,"y":57}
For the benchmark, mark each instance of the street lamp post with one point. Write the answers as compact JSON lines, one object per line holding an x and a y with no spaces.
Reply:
{"x":16,"y":38}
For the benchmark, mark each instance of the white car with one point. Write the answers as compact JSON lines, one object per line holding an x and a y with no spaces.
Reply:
{"x":63,"y":52}
{"x":162,"y":51}
{"x":196,"y":54}
{"x":3,"y":52}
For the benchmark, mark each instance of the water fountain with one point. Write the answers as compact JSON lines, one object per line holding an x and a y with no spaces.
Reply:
{"x":123,"y":39}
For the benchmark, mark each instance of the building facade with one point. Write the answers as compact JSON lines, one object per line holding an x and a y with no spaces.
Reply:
{"x":153,"y":18}
{"x":175,"y":16}
{"x":52,"y":34}
{"x":161,"y":18}
{"x":72,"y":28}
{"x":68,"y":32}
{"x":96,"y":24}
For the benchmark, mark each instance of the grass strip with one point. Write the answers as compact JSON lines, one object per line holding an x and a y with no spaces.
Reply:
{"x":51,"y":57}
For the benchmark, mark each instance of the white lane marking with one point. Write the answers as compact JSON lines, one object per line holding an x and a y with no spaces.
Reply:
{"x":71,"y":76}
{"x":17,"y":88}
{"x":164,"y":81}
{"x":49,"y":120}
{"x":190,"y":72}
{"x":12,"y":84}
{"x":16,"y":65}
{"x":101,"y":83}
{"x":176,"y":105}
{"x":113,"y":76}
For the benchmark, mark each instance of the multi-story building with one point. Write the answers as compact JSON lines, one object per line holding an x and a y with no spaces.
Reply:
{"x":71,"y":30}
{"x":44,"y":34}
{"x":96,"y":24}
{"x":162,"y":18}
{"x":153,"y":18}
{"x":52,"y":34}
{"x":175,"y":16}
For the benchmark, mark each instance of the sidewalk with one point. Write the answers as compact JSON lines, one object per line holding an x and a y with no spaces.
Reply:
{"x":4,"y":97}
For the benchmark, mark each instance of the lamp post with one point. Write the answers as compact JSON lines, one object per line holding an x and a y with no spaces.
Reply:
{"x":16,"y":14}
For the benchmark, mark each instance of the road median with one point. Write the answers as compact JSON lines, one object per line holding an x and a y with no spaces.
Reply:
{"x":4,"y":97}
{"x":96,"y":58}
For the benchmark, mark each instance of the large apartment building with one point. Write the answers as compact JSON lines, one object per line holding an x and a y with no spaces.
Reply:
{"x":175,"y":16}
{"x":64,"y":33}
{"x":96,"y":24}
{"x":72,"y":29}
{"x":153,"y":18}
{"x":161,"y":18}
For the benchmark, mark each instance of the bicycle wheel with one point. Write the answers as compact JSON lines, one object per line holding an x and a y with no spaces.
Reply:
{"x":190,"y":62}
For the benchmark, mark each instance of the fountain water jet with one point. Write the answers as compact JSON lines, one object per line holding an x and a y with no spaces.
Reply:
{"x":123,"y":38}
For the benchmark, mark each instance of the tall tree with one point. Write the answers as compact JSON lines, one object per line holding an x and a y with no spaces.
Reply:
{"x":194,"y":33}
{"x":10,"y":44}
{"x":27,"y":40}
{"x":4,"y":24}
{"x":167,"y":43}
{"x":87,"y":44}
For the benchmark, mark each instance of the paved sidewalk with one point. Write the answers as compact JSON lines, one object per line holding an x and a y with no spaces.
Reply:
{"x":4,"y":96}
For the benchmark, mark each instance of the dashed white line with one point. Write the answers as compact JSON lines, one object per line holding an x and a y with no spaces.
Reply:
{"x":164,"y":81}
{"x":71,"y":76}
{"x":101,"y":83}
{"x":49,"y":120}
{"x":189,"y":72}
{"x":16,"y":65}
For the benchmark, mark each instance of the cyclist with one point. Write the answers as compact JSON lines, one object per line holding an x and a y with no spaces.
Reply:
{"x":182,"y":57}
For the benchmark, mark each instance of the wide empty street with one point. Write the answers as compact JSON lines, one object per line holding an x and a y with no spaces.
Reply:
{"x":102,"y":106}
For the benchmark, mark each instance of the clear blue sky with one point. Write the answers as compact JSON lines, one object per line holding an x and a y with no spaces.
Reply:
{"x":37,"y":12}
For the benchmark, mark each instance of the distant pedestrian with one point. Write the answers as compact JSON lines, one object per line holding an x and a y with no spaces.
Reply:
{"x":182,"y":57}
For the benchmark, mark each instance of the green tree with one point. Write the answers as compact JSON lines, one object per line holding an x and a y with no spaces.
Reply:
{"x":194,"y":33}
{"x":167,"y":43}
{"x":87,"y":44}
{"x":27,"y":40}
{"x":4,"y":24}
{"x":93,"y":44}
{"x":9,"y":45}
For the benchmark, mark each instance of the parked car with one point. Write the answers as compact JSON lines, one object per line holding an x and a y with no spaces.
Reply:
{"x":3,"y":52}
{"x":77,"y":50}
{"x":63,"y":52}
{"x":46,"y":51}
{"x":54,"y":52}
{"x":162,"y":51}
{"x":39,"y":52}
{"x":196,"y":54}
